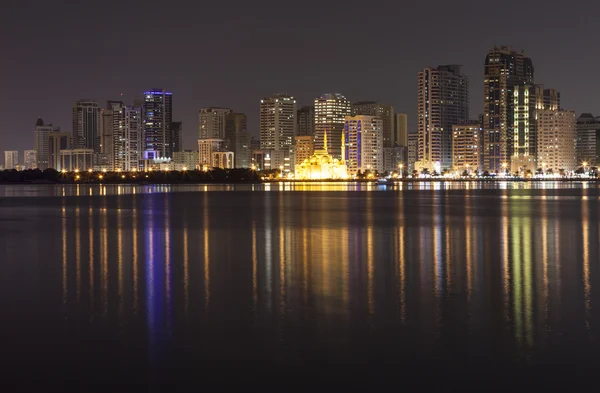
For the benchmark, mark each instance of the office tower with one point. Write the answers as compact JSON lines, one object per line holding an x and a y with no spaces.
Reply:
{"x":176,"y":130}
{"x":362,"y":143}
{"x":528,"y":100}
{"x":306,"y":121}
{"x":504,"y":69}
{"x":467,"y":142}
{"x":330,"y":114}
{"x":187,"y":158}
{"x":41,"y":132}
{"x":384,"y":112}
{"x":11,"y":159}
{"x":121,"y":136}
{"x":157,"y":119}
{"x":237,"y":138}
{"x":413,"y":141}
{"x":57,"y":142}
{"x":551,"y":99}
{"x":206,"y":148}
{"x":401,"y":130}
{"x":211,"y":122}
{"x":443,"y":101}
{"x":86,"y":125}
{"x":277,"y":122}
{"x":588,"y":139}
{"x":30,"y":159}
{"x":304,"y":148}
{"x":556,"y":140}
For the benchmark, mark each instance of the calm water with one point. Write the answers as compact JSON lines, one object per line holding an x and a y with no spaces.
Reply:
{"x":431,"y":286}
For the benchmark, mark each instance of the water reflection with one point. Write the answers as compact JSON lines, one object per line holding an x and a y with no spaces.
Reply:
{"x":445,"y":273}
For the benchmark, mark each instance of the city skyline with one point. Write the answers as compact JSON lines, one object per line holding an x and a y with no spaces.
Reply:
{"x":49,"y":91}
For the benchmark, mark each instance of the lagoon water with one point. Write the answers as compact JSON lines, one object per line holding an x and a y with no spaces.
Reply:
{"x":424,"y":286}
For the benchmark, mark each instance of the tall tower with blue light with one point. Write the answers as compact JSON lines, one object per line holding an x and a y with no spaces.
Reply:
{"x":158,"y":116}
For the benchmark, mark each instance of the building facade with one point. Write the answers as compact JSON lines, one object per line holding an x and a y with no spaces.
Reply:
{"x":413,"y":141}
{"x":394,"y":159}
{"x":331,"y":110}
{"x":557,"y":137}
{"x":11,"y":159}
{"x":77,"y":160}
{"x":223,"y":159}
{"x":57,"y":142}
{"x":211,"y":122}
{"x":304,"y":148}
{"x":206,"y":148}
{"x":384,"y":112}
{"x":176,"y":130}
{"x":467,"y":147}
{"x":122,"y":136}
{"x":401,"y":130}
{"x":362,"y":144}
{"x":504,"y":69}
{"x":30,"y":159}
{"x":528,"y":100}
{"x":187,"y":158}
{"x":306,"y":121}
{"x":443,"y":100}
{"x":237,"y":138}
{"x":588,"y":139}
{"x":277,"y":122}
{"x":86,"y":125}
{"x":157,"y":118}
{"x":41,"y":132}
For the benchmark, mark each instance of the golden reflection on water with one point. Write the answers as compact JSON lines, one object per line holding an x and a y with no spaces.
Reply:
{"x":206,"y":237}
{"x":78,"y":253}
{"x":587,"y":287}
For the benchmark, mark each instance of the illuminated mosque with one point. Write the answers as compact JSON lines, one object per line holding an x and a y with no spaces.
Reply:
{"x":321,"y":165}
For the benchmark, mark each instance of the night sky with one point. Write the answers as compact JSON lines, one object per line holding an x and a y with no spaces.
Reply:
{"x":231,"y":54}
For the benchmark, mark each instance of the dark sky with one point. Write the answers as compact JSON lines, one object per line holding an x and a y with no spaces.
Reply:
{"x":225,"y":53}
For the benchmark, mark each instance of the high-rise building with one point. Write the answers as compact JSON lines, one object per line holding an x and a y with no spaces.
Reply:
{"x":122,"y":136}
{"x":384,"y":112}
{"x":211,"y":122}
{"x":30,"y":159}
{"x":157,"y":119}
{"x":528,"y":100}
{"x":176,"y":130}
{"x":237,"y":138}
{"x":206,"y":148}
{"x":306,"y":121}
{"x":556,"y":140}
{"x":413,"y":141}
{"x":362,"y":143}
{"x":11,"y":159}
{"x":277,"y":122}
{"x":504,"y":69}
{"x":588,"y":139}
{"x":187,"y":158}
{"x":551,"y":99}
{"x":467,"y":143}
{"x":394,"y":159}
{"x":443,"y":101}
{"x":304,"y":148}
{"x":330,"y":114}
{"x":41,"y":132}
{"x":401,"y":130}
{"x":86,"y":125}
{"x":57,"y":142}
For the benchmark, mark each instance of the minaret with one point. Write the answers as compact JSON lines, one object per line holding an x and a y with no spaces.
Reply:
{"x":325,"y":142}
{"x":343,"y":148}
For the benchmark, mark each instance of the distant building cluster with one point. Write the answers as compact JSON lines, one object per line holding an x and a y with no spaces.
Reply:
{"x":523,"y":130}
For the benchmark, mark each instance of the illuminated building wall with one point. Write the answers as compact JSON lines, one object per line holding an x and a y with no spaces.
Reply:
{"x":30,"y":159}
{"x":86,"y":125}
{"x":77,"y":159}
{"x":528,"y":100}
{"x":157,"y":118}
{"x":121,"y":137}
{"x":384,"y":112}
{"x":466,"y":147}
{"x":304,"y":148}
{"x":187,"y":158}
{"x":504,"y":69}
{"x":588,"y":138}
{"x":57,"y":142}
{"x":330,"y":113}
{"x":11,"y":159}
{"x":443,"y":100}
{"x":206,"y":148}
{"x":223,"y":159}
{"x":363,"y":144}
{"x":556,"y":140}
{"x":211,"y":122}
{"x":401,"y":130}
{"x":277,"y":122}
{"x":41,"y":133}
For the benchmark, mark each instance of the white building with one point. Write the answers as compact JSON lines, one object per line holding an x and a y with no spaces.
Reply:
{"x":30,"y":159}
{"x":556,"y":140}
{"x":122,"y":136}
{"x":362,"y":144}
{"x":11,"y":159}
{"x":223,"y":159}
{"x":330,"y":113}
{"x":211,"y":122}
{"x":277,"y":122}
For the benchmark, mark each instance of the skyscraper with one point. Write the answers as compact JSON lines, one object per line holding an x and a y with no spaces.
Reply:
{"x":588,"y":139}
{"x":30,"y":159}
{"x":277,"y":122}
{"x":528,"y":100}
{"x":41,"y":132}
{"x":237,"y":138}
{"x":57,"y":142}
{"x":363,"y":143}
{"x":443,"y":101}
{"x":556,"y":140}
{"x":504,"y":69}
{"x":122,"y":135}
{"x":176,"y":130}
{"x":11,"y":159}
{"x":466,"y":146}
{"x":401,"y":131}
{"x":157,"y":119}
{"x":384,"y":112}
{"x":306,"y":121}
{"x":331,"y":110}
{"x":211,"y":122}
{"x":86,"y":125}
